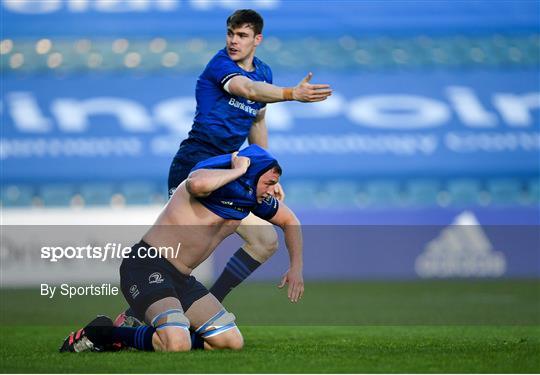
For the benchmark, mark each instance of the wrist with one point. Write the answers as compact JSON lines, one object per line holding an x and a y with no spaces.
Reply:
{"x":288,"y":93}
{"x":243,"y":170}
{"x":296,"y":266}
{"x":240,"y":170}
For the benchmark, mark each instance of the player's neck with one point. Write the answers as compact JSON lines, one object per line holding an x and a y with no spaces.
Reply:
{"x":247,"y":63}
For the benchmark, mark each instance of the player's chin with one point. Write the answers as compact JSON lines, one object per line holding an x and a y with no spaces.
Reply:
{"x":235,"y":57}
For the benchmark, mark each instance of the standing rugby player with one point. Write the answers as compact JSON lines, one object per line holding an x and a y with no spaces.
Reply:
{"x":232,"y":93}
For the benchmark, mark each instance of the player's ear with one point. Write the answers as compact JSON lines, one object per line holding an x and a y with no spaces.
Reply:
{"x":258,"y":39}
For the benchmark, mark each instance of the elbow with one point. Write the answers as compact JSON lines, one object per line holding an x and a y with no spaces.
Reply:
{"x":252,"y":95}
{"x":293,"y":220}
{"x":244,"y":87}
{"x":290,"y":222}
{"x":249,"y":92}
{"x":196,"y":186}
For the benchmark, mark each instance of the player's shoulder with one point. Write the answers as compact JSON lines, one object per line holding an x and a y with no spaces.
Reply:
{"x":267,"y":209}
{"x":219,"y":67}
{"x":261,"y":64}
{"x":219,"y":57}
{"x":263,"y":67}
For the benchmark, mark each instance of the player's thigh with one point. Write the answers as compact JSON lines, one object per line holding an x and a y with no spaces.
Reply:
{"x":202,"y":310}
{"x":135,"y":273}
{"x":159,"y":307}
{"x":215,"y":324}
{"x":260,"y":236}
{"x":149,"y":286}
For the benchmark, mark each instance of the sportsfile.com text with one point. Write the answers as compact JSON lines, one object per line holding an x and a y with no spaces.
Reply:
{"x":109,"y":251}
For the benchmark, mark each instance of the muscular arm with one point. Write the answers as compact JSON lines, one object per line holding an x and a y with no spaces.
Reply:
{"x":267,"y":93}
{"x":202,"y":182}
{"x":292,"y":230}
{"x":258,"y":134}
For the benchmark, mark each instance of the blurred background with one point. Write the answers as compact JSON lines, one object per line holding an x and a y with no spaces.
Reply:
{"x":434,"y":125}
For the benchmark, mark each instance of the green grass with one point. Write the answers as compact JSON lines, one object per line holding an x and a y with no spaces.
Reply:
{"x":297,"y":350}
{"x":374,"y":327}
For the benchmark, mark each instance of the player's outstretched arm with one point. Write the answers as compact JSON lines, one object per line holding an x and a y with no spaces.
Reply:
{"x":290,"y":225}
{"x":267,"y":93}
{"x":202,"y":182}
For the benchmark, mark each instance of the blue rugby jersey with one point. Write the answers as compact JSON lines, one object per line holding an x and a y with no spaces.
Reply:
{"x":222,"y":121}
{"x":238,"y":198}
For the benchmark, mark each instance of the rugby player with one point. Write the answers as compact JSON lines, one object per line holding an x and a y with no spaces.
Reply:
{"x":231,"y":95}
{"x":205,"y":209}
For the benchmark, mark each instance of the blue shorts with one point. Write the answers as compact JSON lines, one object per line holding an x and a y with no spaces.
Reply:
{"x":188,"y":155}
{"x":145,"y":280}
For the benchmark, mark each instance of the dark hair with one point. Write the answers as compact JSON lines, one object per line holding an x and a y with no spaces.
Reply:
{"x":246,"y":17}
{"x":277,"y":169}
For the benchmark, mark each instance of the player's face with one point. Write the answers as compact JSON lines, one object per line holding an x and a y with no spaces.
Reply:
{"x":241,"y":42}
{"x":267,"y":185}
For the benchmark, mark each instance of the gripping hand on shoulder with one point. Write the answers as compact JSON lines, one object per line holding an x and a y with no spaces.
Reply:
{"x":239,"y":162}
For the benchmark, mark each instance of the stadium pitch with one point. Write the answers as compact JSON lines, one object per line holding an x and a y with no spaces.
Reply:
{"x":468,"y":326}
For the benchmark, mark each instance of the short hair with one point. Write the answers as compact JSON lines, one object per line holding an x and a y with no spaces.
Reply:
{"x":277,"y":169}
{"x":246,"y":17}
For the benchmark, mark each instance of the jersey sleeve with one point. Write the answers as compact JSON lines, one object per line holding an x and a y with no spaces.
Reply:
{"x":267,"y":208}
{"x":221,"y":69}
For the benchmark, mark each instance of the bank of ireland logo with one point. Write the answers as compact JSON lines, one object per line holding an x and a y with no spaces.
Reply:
{"x":134,"y":291}
{"x":155,"y":278}
{"x":461,"y":250}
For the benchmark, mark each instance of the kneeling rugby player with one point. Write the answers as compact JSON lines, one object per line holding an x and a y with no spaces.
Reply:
{"x":204,"y":210}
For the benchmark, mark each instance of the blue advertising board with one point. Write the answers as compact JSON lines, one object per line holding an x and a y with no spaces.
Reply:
{"x":436,"y":123}
{"x":461,"y":249}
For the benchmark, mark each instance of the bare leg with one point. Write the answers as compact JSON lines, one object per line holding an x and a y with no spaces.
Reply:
{"x":261,"y":242}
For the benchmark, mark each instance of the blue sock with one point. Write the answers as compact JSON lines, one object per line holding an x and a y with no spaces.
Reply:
{"x":197,"y":342}
{"x":238,"y":268}
{"x":138,"y":338}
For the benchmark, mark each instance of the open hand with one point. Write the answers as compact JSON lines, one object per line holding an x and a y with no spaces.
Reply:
{"x":309,"y":93}
{"x":296,"y":284}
